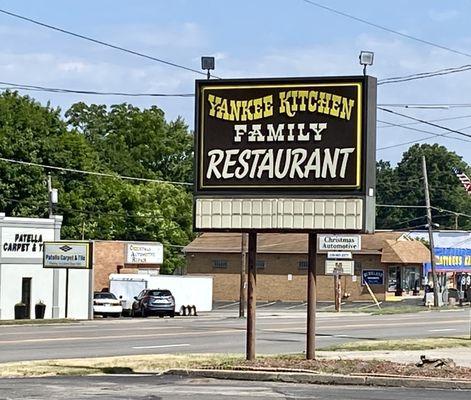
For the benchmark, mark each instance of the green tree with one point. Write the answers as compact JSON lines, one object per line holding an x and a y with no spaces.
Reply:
{"x":136,"y":142}
{"x":124,"y":140}
{"x":404,"y":185}
{"x":26,"y":128}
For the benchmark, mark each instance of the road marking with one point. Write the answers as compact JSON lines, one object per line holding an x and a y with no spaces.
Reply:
{"x":227,"y":305}
{"x":442,"y":330}
{"x":297,"y":305}
{"x":112,"y":337}
{"x":266,"y":305}
{"x":162,"y":346}
{"x":372,"y":325}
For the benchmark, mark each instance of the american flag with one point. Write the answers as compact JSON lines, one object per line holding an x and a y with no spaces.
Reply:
{"x":463,"y":179}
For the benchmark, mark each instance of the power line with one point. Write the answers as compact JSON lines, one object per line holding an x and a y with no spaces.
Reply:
{"x":16,"y":86}
{"x":103,"y":174}
{"x":425,"y":122}
{"x":364,"y":21}
{"x":423,"y":75}
{"x":422,"y":139}
{"x":96,"y":41}
{"x":398,"y":206}
{"x":433,"y":106}
{"x":390,"y":125}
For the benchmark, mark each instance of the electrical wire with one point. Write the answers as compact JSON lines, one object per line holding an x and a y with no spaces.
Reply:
{"x":100,"y":42}
{"x":433,"y":106}
{"x":103,"y":174}
{"x":434,"y":135}
{"x":425,"y":122}
{"x":423,"y":75}
{"x":16,"y":86}
{"x":390,"y":125}
{"x":364,"y":21}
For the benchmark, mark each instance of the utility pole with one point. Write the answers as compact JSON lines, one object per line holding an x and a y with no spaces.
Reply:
{"x":243,"y":258}
{"x":430,"y":234}
{"x":49,"y":191}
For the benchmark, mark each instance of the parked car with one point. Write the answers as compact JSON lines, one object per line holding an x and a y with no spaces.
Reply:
{"x":154,"y":302}
{"x":106,"y":304}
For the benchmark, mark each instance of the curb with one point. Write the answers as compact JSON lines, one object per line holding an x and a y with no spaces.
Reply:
{"x":324,"y":379}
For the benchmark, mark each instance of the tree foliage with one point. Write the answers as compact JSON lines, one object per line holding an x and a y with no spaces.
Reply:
{"x":120,"y":140}
{"x":404,"y":185}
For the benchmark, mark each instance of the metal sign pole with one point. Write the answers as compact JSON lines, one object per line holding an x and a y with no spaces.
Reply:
{"x":66,"y":292}
{"x":251,"y":296}
{"x":311,"y":297}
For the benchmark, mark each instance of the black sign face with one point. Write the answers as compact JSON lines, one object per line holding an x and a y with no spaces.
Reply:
{"x":280,"y":135}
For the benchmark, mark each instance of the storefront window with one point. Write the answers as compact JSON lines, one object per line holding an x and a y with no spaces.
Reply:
{"x":392,"y":278}
{"x":409,"y":278}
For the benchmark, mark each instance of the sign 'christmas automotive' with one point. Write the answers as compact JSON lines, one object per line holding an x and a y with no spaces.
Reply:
{"x":282,"y":135}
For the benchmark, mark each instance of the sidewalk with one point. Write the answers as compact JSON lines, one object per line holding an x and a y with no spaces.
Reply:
{"x":460,"y":355}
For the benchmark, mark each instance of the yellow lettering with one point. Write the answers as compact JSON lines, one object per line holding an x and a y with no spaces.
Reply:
{"x":347,"y":105}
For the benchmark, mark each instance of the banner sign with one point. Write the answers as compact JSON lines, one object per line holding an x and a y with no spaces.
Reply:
{"x":372,"y":277}
{"x":281,"y":135}
{"x":144,"y":253}
{"x":67,"y":255}
{"x":339,"y":243}
{"x":450,"y":259}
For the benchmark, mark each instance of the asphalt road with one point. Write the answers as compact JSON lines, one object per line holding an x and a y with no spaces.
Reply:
{"x":170,"y":388}
{"x":279,"y":330}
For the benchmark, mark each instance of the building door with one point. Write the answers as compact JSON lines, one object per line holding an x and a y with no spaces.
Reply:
{"x":26,"y":295}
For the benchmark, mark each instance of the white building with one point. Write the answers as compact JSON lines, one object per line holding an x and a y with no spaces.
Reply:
{"x":23,"y":278}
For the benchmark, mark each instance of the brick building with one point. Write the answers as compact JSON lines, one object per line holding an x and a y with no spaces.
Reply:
{"x":282,"y":265}
{"x":114,"y":256}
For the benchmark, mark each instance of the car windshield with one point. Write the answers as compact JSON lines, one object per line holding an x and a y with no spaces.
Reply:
{"x":104,"y":296}
{"x":159,"y":293}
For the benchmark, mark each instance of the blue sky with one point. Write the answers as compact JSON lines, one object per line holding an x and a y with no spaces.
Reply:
{"x":258,"y":38}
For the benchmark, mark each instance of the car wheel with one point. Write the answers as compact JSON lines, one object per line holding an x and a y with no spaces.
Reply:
{"x":172,"y":314}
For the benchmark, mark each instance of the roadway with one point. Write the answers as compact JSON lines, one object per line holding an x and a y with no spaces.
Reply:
{"x":279,"y":330}
{"x":172,"y":388}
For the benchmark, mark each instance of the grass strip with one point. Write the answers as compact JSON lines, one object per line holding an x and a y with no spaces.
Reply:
{"x":402,"y":344}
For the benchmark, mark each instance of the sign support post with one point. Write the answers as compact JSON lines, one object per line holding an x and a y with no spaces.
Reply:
{"x":337,"y":291}
{"x":251,"y":296}
{"x":66,"y":292}
{"x":311,"y":297}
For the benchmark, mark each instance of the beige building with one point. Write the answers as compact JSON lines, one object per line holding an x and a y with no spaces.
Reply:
{"x":394,"y":261}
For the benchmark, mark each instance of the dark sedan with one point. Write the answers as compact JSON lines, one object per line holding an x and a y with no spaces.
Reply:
{"x":154,"y":302}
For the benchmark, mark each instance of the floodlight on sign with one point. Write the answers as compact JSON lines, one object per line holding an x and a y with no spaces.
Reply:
{"x":366,"y":57}
{"x":208,"y":64}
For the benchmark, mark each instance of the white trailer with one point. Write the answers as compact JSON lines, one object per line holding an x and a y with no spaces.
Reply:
{"x":192,"y":293}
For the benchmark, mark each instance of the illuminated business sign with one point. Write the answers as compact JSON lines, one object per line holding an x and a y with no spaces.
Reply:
{"x":305,"y":137}
{"x":285,"y":135}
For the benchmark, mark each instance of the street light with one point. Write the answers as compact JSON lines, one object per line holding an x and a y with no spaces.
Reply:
{"x":366,"y":58}
{"x":207,"y":63}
